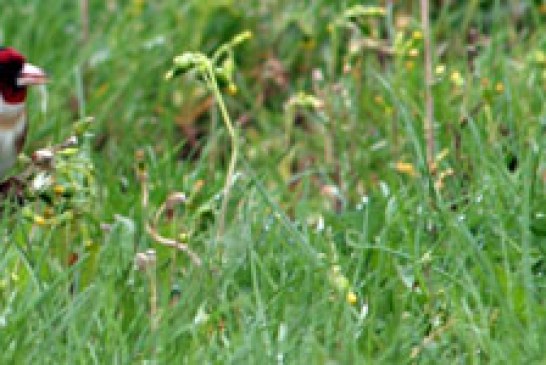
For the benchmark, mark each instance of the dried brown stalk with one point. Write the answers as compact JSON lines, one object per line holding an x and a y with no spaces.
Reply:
{"x":165,"y":208}
{"x":429,"y":101}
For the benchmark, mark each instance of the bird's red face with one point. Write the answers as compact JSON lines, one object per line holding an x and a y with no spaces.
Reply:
{"x":16,"y":74}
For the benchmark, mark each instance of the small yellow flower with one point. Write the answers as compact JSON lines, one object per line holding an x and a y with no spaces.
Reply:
{"x":405,"y":168}
{"x":232,"y":89}
{"x":414,"y":52}
{"x":457,"y":78}
{"x":59,"y":189}
{"x":418,"y":35}
{"x":39,"y":220}
{"x":379,"y":100}
{"x":351,"y":297}
{"x":440,"y":70}
{"x":499,"y":87}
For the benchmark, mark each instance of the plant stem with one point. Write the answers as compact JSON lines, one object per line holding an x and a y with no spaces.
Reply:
{"x":429,"y":102}
{"x":234,"y":147}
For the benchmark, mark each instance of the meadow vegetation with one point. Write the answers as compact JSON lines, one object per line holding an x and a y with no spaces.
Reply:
{"x":330,"y":237}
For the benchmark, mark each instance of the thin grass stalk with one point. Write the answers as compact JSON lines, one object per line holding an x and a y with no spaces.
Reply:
{"x":429,"y":101}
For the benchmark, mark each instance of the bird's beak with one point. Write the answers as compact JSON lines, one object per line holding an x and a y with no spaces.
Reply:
{"x":31,"y":75}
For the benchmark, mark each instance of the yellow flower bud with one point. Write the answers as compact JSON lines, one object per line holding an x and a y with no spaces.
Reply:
{"x":59,"y":189}
{"x":417,"y":35}
{"x":232,"y":89}
{"x":351,"y":297}
{"x":405,"y":168}
{"x":457,"y":78}
{"x":39,"y":220}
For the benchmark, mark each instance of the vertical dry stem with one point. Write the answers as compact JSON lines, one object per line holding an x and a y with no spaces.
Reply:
{"x":84,"y":14}
{"x":429,"y":102}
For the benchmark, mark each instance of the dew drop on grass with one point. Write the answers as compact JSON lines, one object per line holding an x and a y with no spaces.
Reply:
{"x":363,"y":311}
{"x":384,"y":188}
{"x":268,"y":223}
{"x":364,"y":201}
{"x":156,"y":41}
{"x":42,"y":89}
{"x":99,"y":57}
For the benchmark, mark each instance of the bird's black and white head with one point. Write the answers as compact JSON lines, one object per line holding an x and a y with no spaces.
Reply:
{"x":16,"y":75}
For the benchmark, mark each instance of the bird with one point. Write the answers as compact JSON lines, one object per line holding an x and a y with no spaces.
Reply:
{"x":16,"y":75}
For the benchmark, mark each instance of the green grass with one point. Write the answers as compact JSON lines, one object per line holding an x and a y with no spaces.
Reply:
{"x":441,"y":275}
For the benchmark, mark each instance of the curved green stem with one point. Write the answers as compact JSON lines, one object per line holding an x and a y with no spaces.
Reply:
{"x":234,"y":147}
